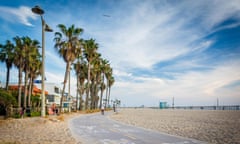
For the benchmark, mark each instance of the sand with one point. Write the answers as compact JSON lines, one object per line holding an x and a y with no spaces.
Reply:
{"x":36,"y":130}
{"x":222,"y":127}
{"x":217,"y":127}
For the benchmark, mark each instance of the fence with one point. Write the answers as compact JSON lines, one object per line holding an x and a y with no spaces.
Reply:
{"x":232,"y":107}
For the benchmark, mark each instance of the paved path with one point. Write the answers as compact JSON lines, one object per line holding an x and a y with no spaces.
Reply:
{"x":99,"y":129}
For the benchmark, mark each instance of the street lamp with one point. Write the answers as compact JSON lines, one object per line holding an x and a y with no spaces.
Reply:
{"x":37,"y":10}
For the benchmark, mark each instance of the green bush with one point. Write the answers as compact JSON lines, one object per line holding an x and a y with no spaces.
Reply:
{"x":35,"y":113}
{"x":7,"y":100}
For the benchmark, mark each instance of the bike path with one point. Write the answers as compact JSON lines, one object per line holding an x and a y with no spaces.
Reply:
{"x":100,"y":129}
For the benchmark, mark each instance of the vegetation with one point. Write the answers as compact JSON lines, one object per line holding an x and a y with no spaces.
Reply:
{"x":94,"y":74}
{"x":91,"y":70}
{"x":6,"y":101}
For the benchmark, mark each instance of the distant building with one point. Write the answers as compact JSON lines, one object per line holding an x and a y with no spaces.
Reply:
{"x":54,"y":93}
{"x":36,"y":90}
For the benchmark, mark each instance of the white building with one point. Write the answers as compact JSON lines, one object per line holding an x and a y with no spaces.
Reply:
{"x":54,"y":93}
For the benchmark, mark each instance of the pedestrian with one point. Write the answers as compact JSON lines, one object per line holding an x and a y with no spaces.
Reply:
{"x":114,"y":108}
{"x":102,"y":110}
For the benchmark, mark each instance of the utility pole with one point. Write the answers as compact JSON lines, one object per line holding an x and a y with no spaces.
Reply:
{"x":173,"y":103}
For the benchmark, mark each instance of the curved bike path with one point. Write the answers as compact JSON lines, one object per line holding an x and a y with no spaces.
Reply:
{"x":100,"y":129}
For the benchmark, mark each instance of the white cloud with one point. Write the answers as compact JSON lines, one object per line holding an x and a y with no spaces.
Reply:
{"x":194,"y":88}
{"x":21,"y":14}
{"x":149,"y":35}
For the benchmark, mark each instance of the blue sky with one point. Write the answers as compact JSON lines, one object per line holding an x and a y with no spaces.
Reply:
{"x":189,"y":50}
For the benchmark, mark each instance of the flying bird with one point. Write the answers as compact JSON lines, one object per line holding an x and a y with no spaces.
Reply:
{"x":106,"y":15}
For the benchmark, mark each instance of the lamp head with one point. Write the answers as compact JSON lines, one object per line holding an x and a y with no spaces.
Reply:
{"x":37,"y":10}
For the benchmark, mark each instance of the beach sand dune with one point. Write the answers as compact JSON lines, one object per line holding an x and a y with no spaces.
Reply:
{"x":37,"y":130}
{"x":217,"y":127}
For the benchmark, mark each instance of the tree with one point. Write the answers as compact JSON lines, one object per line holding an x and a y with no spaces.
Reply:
{"x":31,"y":50}
{"x":7,"y":56}
{"x":89,"y":49}
{"x":104,"y":64}
{"x":68,"y":46}
{"x":110,"y":83}
{"x":35,"y":70}
{"x":19,"y":62}
{"x":32,"y":67}
{"x":95,"y":80}
{"x":107,"y":73}
{"x":81,"y":73}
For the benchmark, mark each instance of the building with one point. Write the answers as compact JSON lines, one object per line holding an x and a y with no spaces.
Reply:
{"x":36,"y":90}
{"x":54,"y":93}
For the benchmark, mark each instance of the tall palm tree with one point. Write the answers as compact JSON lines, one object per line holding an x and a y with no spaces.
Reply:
{"x":95,"y":80}
{"x":90,"y":48}
{"x":110,"y":83}
{"x":35,"y":71}
{"x":107,"y":74}
{"x":7,"y":56}
{"x":102,"y":88}
{"x":104,"y":64}
{"x":81,"y":72}
{"x":68,"y":46}
{"x":33,"y":68}
{"x":19,"y":62}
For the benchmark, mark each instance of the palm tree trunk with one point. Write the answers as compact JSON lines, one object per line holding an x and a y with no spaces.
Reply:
{"x":109,"y":94}
{"x":77,"y":93}
{"x":101,"y":99}
{"x":88,"y":87}
{"x":30,"y":91}
{"x":25,"y":90}
{"x":81,"y":92}
{"x":102,"y":89}
{"x":64,"y":84}
{"x":7,"y":81}
{"x":92,"y":95}
{"x":19,"y":87}
{"x":106,"y":97}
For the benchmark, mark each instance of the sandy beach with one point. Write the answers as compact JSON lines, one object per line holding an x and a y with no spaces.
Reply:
{"x":37,"y":130}
{"x":217,"y":127}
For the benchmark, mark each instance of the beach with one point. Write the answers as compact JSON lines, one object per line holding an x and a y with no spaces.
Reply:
{"x":37,"y":130}
{"x":211,"y":126}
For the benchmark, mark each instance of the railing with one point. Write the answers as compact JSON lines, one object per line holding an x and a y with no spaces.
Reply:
{"x":225,"y":107}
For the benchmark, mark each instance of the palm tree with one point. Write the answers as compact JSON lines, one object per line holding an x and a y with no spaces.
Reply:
{"x":104,"y":64}
{"x":33,"y":68}
{"x":30,"y":49}
{"x":110,"y":83}
{"x":107,"y":74}
{"x":90,"y":47}
{"x":7,"y":56}
{"x":19,"y":62}
{"x":102,"y":88}
{"x":81,"y":72}
{"x":96,"y":80}
{"x":68,"y":45}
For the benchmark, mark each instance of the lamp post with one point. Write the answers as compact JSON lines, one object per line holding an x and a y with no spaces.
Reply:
{"x":37,"y":10}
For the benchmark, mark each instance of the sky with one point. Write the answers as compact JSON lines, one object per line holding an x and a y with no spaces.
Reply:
{"x":158,"y":49}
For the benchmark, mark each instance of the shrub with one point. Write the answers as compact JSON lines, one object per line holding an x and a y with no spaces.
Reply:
{"x":7,"y":100}
{"x":35,"y":113}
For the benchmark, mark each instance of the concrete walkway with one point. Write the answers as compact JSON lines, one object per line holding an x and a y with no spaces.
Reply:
{"x":100,"y":129}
